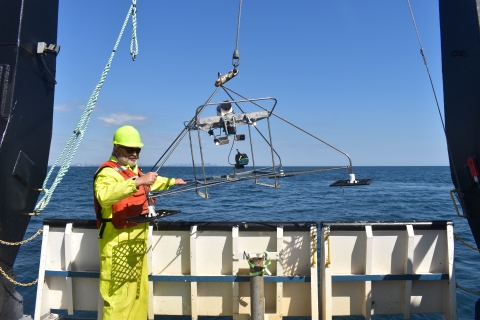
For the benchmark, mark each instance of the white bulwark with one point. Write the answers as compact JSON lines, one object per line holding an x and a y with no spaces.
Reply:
{"x":200,"y":269}
{"x":196,"y":269}
{"x":383,"y":268}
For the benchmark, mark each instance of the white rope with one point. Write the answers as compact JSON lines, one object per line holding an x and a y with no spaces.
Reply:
{"x":73,"y":143}
{"x":133,"y":40}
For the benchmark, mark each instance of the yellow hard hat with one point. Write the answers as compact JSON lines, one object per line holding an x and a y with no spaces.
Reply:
{"x":127,"y":136}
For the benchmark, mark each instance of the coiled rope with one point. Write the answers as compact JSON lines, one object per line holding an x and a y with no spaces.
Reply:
{"x":73,"y":143}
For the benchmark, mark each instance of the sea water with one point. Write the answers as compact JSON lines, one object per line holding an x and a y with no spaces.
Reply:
{"x":395,"y":194}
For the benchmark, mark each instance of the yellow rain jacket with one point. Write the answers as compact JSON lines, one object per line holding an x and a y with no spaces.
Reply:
{"x":123,"y":264}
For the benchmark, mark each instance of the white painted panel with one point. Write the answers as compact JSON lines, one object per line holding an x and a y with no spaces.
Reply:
{"x":171,"y":298}
{"x":430,"y":250}
{"x":425,"y":296}
{"x":214,"y":252}
{"x":296,"y":256}
{"x":270,"y":297}
{"x":387,"y":297}
{"x":296,"y":299}
{"x":347,"y":298}
{"x":84,"y":298}
{"x":57,"y":289}
{"x":171,"y":252}
{"x":55,"y":250}
{"x":244,"y":297}
{"x":389,"y":252}
{"x":214,"y":299}
{"x":347,"y":254}
{"x":81,"y":239}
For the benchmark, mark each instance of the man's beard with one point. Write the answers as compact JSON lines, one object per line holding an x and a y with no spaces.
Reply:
{"x":127,"y":161}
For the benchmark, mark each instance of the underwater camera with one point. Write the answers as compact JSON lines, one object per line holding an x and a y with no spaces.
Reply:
{"x":230,"y":128}
{"x":239,"y":137}
{"x":241,"y":160}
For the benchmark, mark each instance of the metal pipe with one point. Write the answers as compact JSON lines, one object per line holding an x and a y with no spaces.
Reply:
{"x":157,"y":194}
{"x":257,"y":295}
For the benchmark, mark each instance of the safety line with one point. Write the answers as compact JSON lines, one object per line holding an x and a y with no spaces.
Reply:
{"x":75,"y":139}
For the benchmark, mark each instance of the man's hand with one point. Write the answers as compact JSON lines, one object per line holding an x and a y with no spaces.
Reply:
{"x":179,"y":181}
{"x":146,"y":180}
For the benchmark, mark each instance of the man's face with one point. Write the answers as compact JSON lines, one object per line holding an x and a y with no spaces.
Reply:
{"x":127,"y":155}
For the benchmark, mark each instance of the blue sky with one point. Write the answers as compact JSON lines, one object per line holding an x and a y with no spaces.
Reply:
{"x":348,"y":71}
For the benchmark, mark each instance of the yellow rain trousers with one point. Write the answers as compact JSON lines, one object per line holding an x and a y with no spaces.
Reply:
{"x":123,"y":264}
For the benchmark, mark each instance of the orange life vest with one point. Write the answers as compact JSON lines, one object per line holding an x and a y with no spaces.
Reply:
{"x":133,"y":205}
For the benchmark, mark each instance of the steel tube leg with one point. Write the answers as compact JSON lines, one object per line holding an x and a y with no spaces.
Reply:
{"x":257,"y":290}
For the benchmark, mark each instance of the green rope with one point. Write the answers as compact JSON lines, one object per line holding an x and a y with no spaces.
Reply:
{"x":254,"y":267}
{"x":75,"y":139}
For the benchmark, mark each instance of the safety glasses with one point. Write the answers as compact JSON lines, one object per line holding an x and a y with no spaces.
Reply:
{"x":132,"y":150}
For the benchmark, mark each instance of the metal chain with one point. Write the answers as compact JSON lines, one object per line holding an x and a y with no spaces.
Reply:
{"x":16,"y":244}
{"x":457,"y":237}
{"x":23,"y":241}
{"x":467,"y":290}
{"x":466,"y":244}
{"x":16,"y":282}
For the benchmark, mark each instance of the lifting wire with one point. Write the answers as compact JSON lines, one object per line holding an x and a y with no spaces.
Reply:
{"x":236,"y":53}
{"x":235,"y":58}
{"x":424,"y":57}
{"x":220,"y":82}
{"x":75,"y":139}
{"x":422,"y":52}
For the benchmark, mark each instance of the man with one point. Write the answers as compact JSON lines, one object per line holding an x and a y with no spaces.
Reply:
{"x":120,"y":190}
